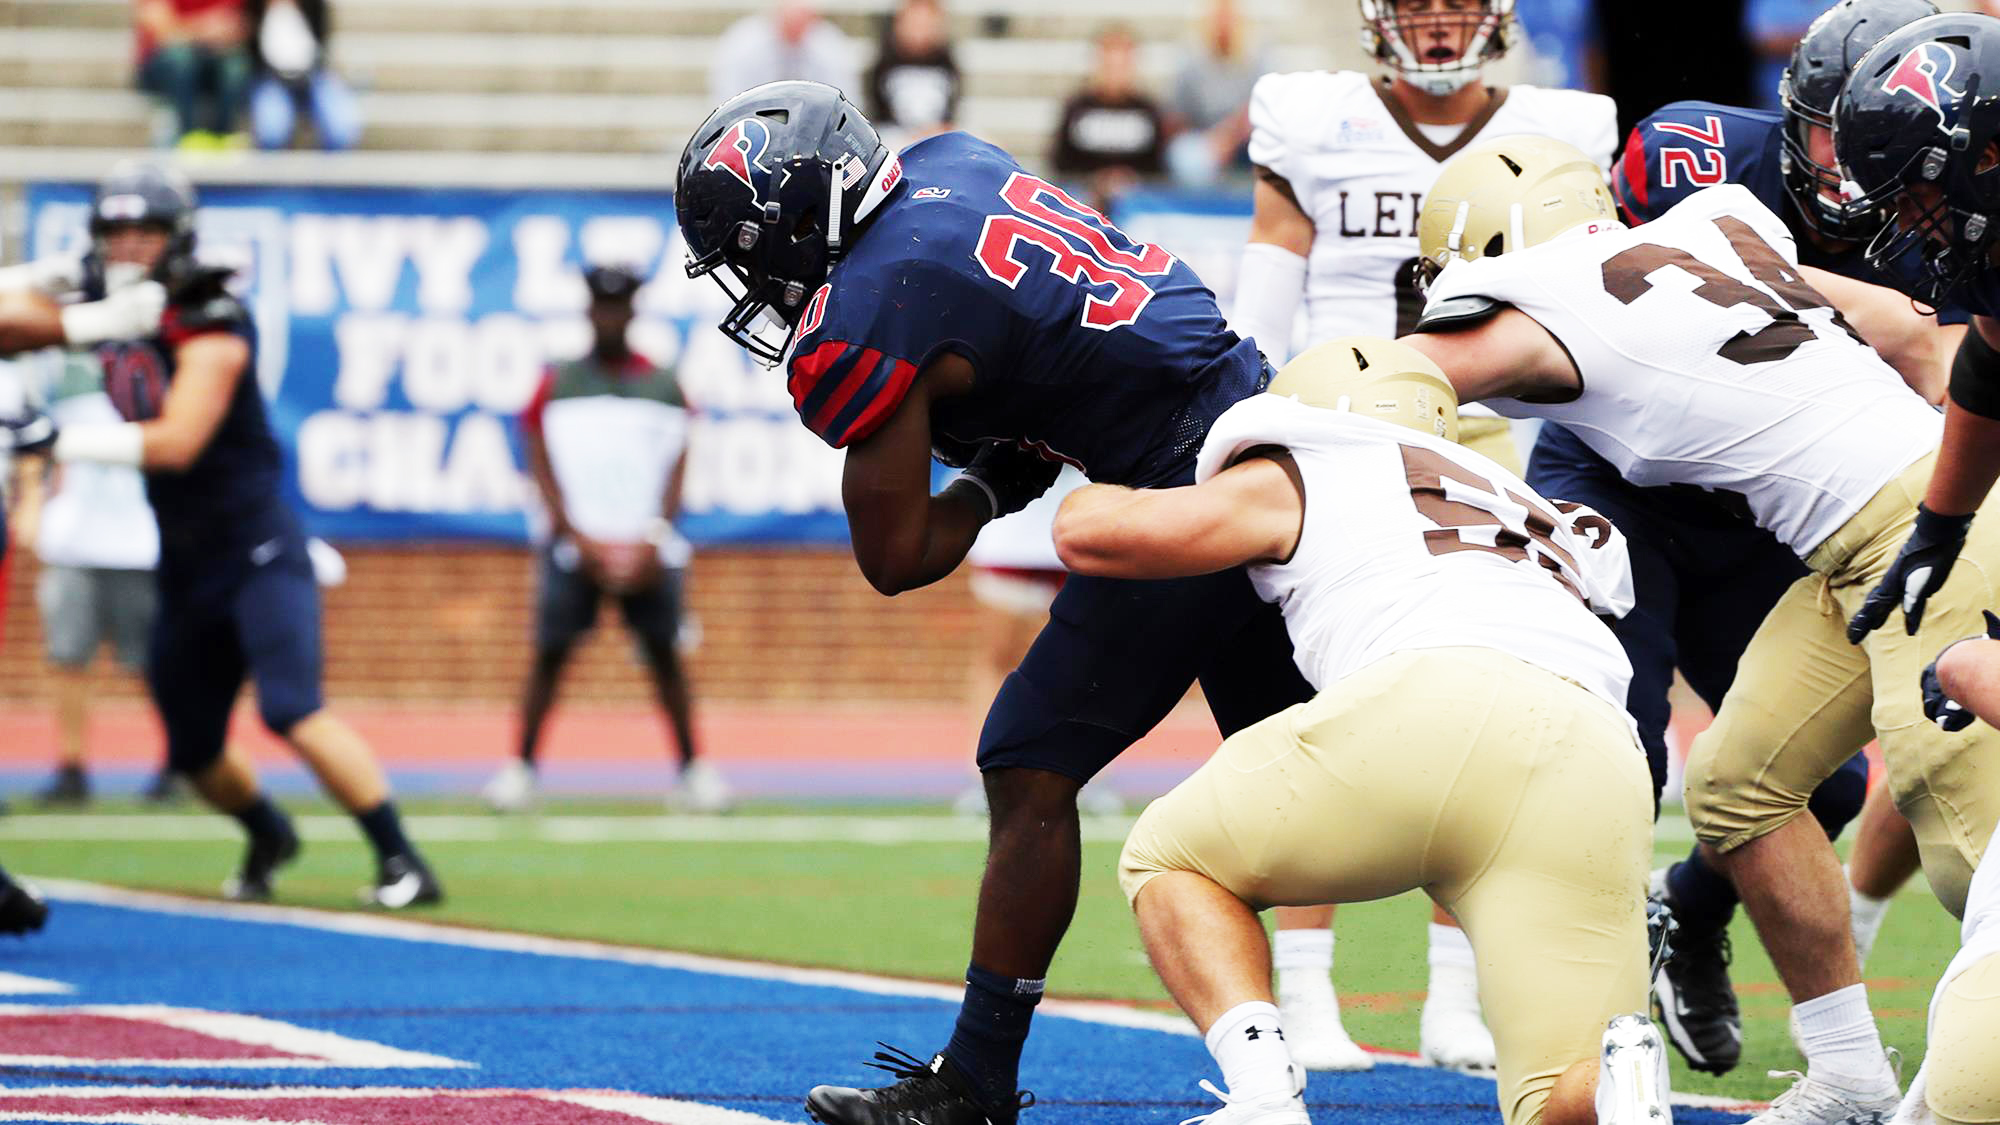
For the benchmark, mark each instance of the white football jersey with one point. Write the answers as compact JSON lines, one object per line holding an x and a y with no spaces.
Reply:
{"x":1361,"y":168}
{"x":1413,"y":542}
{"x":1707,"y":360}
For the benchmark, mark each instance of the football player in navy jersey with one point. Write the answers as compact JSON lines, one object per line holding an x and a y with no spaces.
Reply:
{"x":1705,"y":575}
{"x":237,"y":596}
{"x":948,"y":303}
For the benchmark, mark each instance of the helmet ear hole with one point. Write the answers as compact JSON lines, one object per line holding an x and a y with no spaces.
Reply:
{"x":1494,"y":245}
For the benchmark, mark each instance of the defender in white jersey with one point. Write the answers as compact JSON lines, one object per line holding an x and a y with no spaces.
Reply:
{"x":1466,"y":734}
{"x":1343,"y":161}
{"x":1691,"y":351}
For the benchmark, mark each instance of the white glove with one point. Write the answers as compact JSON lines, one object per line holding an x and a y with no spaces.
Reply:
{"x":130,"y":313}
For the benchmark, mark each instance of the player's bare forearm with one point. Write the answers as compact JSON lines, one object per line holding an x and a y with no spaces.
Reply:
{"x":1912,"y":342}
{"x":29,"y":321}
{"x":1968,"y":462}
{"x":544,"y":476}
{"x":1507,"y":356}
{"x":1247,"y":513}
{"x":1969,"y":673}
{"x":208,"y":368}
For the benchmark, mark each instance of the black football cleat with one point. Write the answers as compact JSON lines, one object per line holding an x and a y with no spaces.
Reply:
{"x":261,"y":860}
{"x":403,"y":880}
{"x":166,"y":788}
{"x":69,"y":788}
{"x":932,"y":1093}
{"x":1695,"y":999}
{"x":22,"y":910}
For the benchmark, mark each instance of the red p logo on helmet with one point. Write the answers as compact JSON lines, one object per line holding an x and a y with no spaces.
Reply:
{"x":1922,"y":73}
{"x":738,"y":150}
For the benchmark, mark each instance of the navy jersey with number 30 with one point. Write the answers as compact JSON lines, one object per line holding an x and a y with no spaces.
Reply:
{"x":1090,"y":347}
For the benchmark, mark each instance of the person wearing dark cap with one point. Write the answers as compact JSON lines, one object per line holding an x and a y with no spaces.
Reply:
{"x":606,"y":443}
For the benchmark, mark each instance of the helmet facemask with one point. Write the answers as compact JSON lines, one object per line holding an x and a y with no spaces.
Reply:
{"x":1409,"y":41}
{"x":1949,"y":244}
{"x":1825,"y":198}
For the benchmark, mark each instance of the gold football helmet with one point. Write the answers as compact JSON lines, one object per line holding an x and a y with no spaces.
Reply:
{"x":1377,"y":378}
{"x":1505,"y":194}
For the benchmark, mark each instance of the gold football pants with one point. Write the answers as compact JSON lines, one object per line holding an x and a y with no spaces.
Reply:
{"x":1518,"y":800}
{"x":1804,"y":698}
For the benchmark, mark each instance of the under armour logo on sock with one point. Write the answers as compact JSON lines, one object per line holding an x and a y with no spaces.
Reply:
{"x":1253,"y":1032}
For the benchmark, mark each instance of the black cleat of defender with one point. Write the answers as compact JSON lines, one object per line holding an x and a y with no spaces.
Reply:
{"x":403,"y":880}
{"x":932,"y":1093}
{"x":1696,"y":1002}
{"x":261,"y":860}
{"x":22,"y":911}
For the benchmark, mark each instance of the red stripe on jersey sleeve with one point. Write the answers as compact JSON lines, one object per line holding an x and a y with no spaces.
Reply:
{"x":531,"y":414}
{"x":858,"y":374}
{"x":884,"y":404}
{"x":808,"y":369}
{"x":1629,"y":178}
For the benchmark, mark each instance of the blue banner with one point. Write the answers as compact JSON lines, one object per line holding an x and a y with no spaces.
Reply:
{"x":401,"y":331}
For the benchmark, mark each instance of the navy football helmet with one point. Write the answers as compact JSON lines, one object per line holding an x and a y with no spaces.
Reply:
{"x":1917,"y":128}
{"x":1811,"y":83}
{"x":147,"y":193}
{"x":771,"y":191}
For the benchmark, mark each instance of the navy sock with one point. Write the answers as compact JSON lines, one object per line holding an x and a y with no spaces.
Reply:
{"x":992,"y":1027}
{"x":1703,"y":900}
{"x":384,"y":829}
{"x":263,"y":819}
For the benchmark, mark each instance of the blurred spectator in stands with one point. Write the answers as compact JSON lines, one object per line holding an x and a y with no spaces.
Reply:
{"x":1647,"y":60}
{"x":789,"y":41}
{"x":606,"y":444}
{"x":192,"y":55}
{"x":914,"y":86}
{"x":1562,"y":35}
{"x":1774,"y":28}
{"x":1111,"y":134}
{"x":98,"y":542}
{"x":1210,"y":115}
{"x":288,"y":44}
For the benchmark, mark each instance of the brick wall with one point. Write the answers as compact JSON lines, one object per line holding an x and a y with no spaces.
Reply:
{"x":451,"y":624}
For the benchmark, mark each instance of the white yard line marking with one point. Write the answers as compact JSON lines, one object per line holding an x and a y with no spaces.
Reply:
{"x":667,"y":1111}
{"x":881,"y":831}
{"x":403,"y":929}
{"x":15,"y":984}
{"x":317,"y":1050}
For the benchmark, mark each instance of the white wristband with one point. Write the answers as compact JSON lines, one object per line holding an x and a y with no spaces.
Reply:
{"x":986,"y":490}
{"x":108,"y":443}
{"x":1268,"y":290}
{"x":125,"y":314}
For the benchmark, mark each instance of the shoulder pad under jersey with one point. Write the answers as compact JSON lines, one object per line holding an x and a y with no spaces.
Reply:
{"x":1455,"y":314}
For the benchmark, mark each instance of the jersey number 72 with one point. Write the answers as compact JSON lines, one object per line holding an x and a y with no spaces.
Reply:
{"x":1082,"y":246}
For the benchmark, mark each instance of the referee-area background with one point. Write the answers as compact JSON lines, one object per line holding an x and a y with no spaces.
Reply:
{"x":410,"y":205}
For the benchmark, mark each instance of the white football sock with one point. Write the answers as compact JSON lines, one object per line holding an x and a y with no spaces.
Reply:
{"x":1454,"y":969}
{"x":1867,"y":913}
{"x":1304,"y":961}
{"x":1841,"y":1043}
{"x":1250,"y":1048}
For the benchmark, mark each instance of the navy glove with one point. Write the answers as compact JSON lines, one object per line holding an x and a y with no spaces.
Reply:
{"x":1940,"y":708}
{"x":1919,"y":570}
{"x":33,"y":432}
{"x":1010,"y":477}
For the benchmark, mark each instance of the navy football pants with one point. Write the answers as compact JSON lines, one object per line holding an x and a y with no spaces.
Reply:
{"x":249,"y":611}
{"x":1117,"y":655}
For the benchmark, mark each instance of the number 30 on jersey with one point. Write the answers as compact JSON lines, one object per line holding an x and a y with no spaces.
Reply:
{"x":1081,"y":246}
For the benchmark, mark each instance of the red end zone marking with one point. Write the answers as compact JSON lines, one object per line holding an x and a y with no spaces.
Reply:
{"x":83,"y":1037}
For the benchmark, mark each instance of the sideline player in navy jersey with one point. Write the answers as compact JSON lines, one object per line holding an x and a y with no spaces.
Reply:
{"x":237,"y":595}
{"x":951,"y":303}
{"x":1706,"y":577}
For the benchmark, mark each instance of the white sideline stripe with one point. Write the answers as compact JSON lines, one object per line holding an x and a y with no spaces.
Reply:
{"x":403,"y":929}
{"x":15,"y":984}
{"x":322,"y":1050}
{"x":883,"y":831}
{"x":667,"y":1111}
